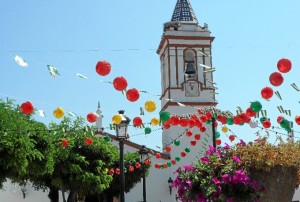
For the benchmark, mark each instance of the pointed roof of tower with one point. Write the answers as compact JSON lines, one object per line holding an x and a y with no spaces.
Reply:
{"x":183,"y":12}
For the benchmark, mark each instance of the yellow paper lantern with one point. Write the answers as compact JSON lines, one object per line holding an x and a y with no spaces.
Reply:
{"x":154,"y":121}
{"x":58,"y":113}
{"x":150,"y":106}
{"x":116,"y":119}
{"x":224,"y":129}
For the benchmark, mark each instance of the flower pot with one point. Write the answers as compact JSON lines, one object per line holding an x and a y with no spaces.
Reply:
{"x":279,"y":183}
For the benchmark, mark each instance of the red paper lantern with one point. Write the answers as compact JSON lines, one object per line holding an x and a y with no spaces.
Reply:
{"x":131,"y":168}
{"x":203,"y":118}
{"x":203,"y":129}
{"x":266,"y":124}
{"x":193,"y":142}
{"x":64,"y":143}
{"x":218,"y":142}
{"x":245,"y":117}
{"x":92,"y":117}
{"x":168,"y":149}
{"x":276,"y":79}
{"x":147,"y":161}
{"x":197,"y":136}
{"x":184,"y":122}
{"x":165,"y":165}
{"x":297,"y":119}
{"x":175,"y":120}
{"x":209,"y":115}
{"x":173,"y":162}
{"x":26,"y":108}
{"x":88,"y":141}
{"x":132,"y":95}
{"x":183,"y":154}
{"x":137,"y":121}
{"x":231,"y":138}
{"x":267,"y":92}
{"x":250,"y":113}
{"x":111,"y":171}
{"x":237,"y":120}
{"x":120,"y":83}
{"x":279,"y":119}
{"x":188,"y":133}
{"x":284,"y":65}
{"x":216,"y":124}
{"x":157,"y":166}
{"x":137,"y":165}
{"x":157,"y":155}
{"x":167,"y":125}
{"x":117,"y":171}
{"x":192,"y":123}
{"x":103,"y":68}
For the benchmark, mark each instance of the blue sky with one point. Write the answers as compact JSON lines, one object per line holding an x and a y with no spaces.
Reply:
{"x":251,"y":36}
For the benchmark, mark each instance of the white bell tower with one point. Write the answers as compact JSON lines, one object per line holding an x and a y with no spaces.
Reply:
{"x":186,"y":71}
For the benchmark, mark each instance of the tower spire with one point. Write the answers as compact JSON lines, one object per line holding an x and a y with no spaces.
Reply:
{"x":183,"y":12}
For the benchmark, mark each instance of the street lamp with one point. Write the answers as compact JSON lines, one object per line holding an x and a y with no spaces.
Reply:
{"x":121,"y":131}
{"x":144,"y":155}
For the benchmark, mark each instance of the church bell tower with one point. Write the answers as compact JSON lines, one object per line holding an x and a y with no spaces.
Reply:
{"x":186,"y":68}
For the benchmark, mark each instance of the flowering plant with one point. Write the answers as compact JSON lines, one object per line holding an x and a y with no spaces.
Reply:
{"x":241,"y":173}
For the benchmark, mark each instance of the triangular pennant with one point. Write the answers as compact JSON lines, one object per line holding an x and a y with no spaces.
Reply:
{"x":201,"y":52}
{"x":71,"y":113}
{"x":280,"y":108}
{"x":124,"y":92}
{"x":264,"y":112}
{"x":81,"y":76}
{"x":287,"y":112}
{"x":295,"y":87}
{"x":257,"y":115}
{"x":209,"y":70}
{"x":41,"y":113}
{"x":180,"y":104}
{"x":206,"y":67}
{"x":112,"y":126}
{"x":211,"y":82}
{"x":278,"y":95}
{"x":238,"y":112}
{"x":229,"y":113}
{"x":53,"y":71}
{"x":20,"y":61}
{"x":142,"y":111}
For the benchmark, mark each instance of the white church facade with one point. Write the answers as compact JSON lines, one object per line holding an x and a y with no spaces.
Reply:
{"x":185,"y":54}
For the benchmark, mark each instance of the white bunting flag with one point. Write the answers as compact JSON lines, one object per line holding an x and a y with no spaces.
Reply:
{"x":81,"y":76}
{"x":21,"y":61}
{"x":41,"y":113}
{"x":53,"y":71}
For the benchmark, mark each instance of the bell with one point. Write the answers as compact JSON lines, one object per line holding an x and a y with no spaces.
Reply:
{"x":190,"y":68}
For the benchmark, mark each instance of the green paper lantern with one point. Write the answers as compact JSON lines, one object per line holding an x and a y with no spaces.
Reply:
{"x":147,"y":130}
{"x":106,"y":138}
{"x":262,"y":119}
{"x":177,"y":158}
{"x":169,"y":164}
{"x":208,"y":121}
{"x":256,"y":106}
{"x":229,"y":120}
{"x":217,"y":135}
{"x":177,"y":142}
{"x":187,"y":150}
{"x":285,"y":124}
{"x":164,"y":116}
{"x":162,"y":166}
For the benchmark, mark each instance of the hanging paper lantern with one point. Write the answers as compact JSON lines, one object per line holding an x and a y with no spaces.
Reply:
{"x":165,"y":165}
{"x":218,"y":142}
{"x":188,"y":133}
{"x":106,"y":138}
{"x":297,"y":119}
{"x":169,"y":164}
{"x":175,"y":120}
{"x":59,"y":112}
{"x":157,"y":155}
{"x":164,"y":116}
{"x":255,"y":106}
{"x":167,"y":125}
{"x":117,"y":171}
{"x":177,"y":142}
{"x":26,"y":108}
{"x":224,"y":129}
{"x":173,"y":162}
{"x":253,"y":124}
{"x":137,"y":165}
{"x":203,"y":118}
{"x":147,"y":130}
{"x":147,"y":161}
{"x":103,"y":68}
{"x":266,"y":124}
{"x":250,"y":113}
{"x":177,"y":158}
{"x":262,"y":119}
{"x":187,"y":150}
{"x":284,"y":65}
{"x":111,"y":171}
{"x":276,"y":79}
{"x":92,"y":117}
{"x":157,"y":166}
{"x":279,"y":118}
{"x":88,"y":141}
{"x":231,"y":138}
{"x":137,"y":121}
{"x":197,"y":136}
{"x":168,"y":149}
{"x":229,"y":120}
{"x":184,"y":122}
{"x":150,"y":106}
{"x":267,"y":92}
{"x":183,"y":154}
{"x":215,"y":124}
{"x":132,"y":95}
{"x":120,"y":83}
{"x":192,"y":123}
{"x":117,"y":119}
{"x":154,"y":121}
{"x":237,"y":120}
{"x":202,"y":129}
{"x":209,"y":115}
{"x":193,"y":142}
{"x":64,"y":143}
{"x":245,"y":118}
{"x":131,"y":168}
{"x":217,"y":135}
{"x":285,"y":124}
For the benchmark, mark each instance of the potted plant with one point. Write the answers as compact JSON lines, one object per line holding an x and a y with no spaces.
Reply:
{"x":257,"y":171}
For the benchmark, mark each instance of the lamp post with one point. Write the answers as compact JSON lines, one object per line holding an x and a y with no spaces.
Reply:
{"x":144,"y":154}
{"x":121,"y":132}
